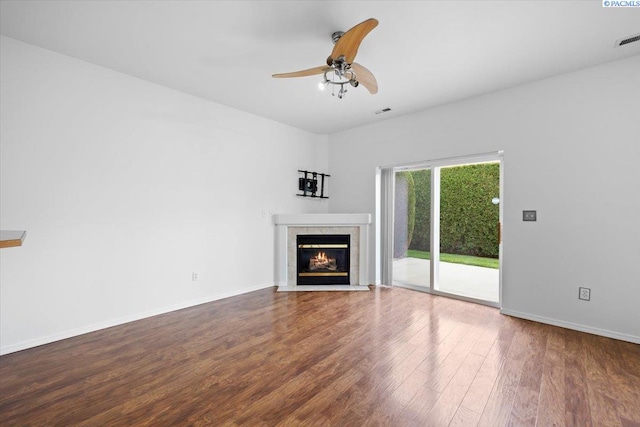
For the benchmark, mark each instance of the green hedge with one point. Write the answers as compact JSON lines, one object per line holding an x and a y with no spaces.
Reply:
{"x":468,"y":218}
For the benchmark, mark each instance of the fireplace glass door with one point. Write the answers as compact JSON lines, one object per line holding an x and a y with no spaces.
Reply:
{"x":323,"y":259}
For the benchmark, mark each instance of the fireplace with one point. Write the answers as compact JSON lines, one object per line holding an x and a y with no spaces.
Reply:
{"x":323,"y":259}
{"x":289,"y":226}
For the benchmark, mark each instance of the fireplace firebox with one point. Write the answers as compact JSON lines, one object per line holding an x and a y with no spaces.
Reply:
{"x":323,"y":259}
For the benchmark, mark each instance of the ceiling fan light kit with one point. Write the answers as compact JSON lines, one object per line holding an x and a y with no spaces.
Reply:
{"x":340,"y":69}
{"x":339,"y":78}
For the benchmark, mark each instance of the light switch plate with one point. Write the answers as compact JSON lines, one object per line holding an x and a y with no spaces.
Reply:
{"x":529,"y":215}
{"x":584,"y":294}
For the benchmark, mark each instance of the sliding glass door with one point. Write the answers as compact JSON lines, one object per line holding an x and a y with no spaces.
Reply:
{"x":445,"y":233}
{"x":411,"y":228}
{"x":469,"y":221}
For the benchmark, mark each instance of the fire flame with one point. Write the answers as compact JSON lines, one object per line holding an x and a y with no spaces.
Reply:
{"x":322,"y":262}
{"x":321,"y":257}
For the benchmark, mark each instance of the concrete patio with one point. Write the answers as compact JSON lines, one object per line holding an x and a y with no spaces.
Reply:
{"x":465,"y":280}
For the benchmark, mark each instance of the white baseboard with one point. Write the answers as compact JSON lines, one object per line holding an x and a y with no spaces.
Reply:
{"x":575,"y":326}
{"x":12,"y":348}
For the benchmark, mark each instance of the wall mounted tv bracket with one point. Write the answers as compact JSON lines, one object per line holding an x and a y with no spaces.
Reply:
{"x":308,"y":184}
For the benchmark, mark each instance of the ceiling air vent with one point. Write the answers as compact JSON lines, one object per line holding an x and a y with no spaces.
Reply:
{"x":384,"y":110}
{"x":627,"y":40}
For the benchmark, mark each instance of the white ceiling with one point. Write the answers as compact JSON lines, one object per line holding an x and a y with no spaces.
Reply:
{"x":423,"y":53}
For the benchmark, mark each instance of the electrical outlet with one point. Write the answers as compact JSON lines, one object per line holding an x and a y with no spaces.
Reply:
{"x":195,"y":276}
{"x":584,"y":294}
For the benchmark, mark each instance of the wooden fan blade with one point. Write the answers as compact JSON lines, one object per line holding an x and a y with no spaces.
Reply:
{"x":350,"y":41}
{"x":303,"y":73}
{"x":365,"y":78}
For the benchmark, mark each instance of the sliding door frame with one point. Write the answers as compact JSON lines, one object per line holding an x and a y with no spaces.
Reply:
{"x":385,"y":197}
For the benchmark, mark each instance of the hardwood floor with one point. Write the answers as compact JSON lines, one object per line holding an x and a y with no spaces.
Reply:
{"x":390,"y":357}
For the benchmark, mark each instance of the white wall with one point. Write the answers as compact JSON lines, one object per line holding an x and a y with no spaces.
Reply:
{"x":572,"y":151}
{"x":125,"y":188}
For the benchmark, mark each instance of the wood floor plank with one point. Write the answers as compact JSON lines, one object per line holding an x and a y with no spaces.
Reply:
{"x":608,"y":403}
{"x":390,"y":357}
{"x":442,"y":374}
{"x":525,"y":405}
{"x":465,"y":418}
{"x":445,"y":408}
{"x":485,"y":341}
{"x":617,"y":377}
{"x":498,"y":408}
{"x":415,"y":412}
{"x":552,"y":386}
{"x":318,"y":404}
{"x":482,"y":385}
{"x":577,"y":405}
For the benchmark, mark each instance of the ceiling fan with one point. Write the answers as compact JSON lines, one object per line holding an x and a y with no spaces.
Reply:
{"x":340,"y":69}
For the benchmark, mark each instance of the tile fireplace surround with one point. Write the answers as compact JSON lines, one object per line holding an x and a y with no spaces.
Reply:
{"x":288,"y":226}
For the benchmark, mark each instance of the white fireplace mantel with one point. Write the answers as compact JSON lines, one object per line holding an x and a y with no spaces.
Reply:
{"x":288,"y":225}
